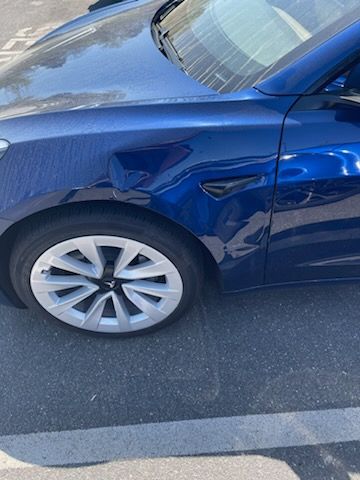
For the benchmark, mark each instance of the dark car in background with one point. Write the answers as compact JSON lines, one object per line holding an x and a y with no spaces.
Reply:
{"x":102,"y":4}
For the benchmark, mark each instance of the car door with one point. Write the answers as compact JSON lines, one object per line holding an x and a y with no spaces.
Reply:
{"x":315,"y":231}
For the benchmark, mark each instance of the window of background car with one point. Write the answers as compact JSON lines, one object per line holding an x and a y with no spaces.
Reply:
{"x":231,"y":44}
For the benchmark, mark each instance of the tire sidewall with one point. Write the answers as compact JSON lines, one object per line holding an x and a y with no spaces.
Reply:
{"x":151,"y":235}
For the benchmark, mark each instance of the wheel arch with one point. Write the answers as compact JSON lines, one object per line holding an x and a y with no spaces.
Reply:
{"x":8,"y":238}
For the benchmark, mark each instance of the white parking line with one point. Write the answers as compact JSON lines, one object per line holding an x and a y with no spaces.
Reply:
{"x":23,"y":39}
{"x":185,"y":438}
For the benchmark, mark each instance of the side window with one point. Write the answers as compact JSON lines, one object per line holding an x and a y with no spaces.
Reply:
{"x":346,"y":84}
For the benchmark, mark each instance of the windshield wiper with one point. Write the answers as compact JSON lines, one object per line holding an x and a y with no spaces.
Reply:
{"x":166,"y":47}
{"x":169,"y":7}
{"x":161,"y":36}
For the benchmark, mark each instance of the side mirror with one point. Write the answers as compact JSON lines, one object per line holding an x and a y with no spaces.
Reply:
{"x":353,"y":79}
{"x":337,"y":85}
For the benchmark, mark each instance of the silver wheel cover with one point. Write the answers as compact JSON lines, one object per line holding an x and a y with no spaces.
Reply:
{"x":106,"y":284}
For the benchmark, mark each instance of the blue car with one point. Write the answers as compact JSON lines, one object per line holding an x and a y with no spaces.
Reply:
{"x":149,"y":144}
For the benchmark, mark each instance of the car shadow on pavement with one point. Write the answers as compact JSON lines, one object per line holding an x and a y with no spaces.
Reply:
{"x":270,"y":351}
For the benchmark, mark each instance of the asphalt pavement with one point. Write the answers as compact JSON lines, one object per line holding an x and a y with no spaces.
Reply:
{"x":259,"y":385}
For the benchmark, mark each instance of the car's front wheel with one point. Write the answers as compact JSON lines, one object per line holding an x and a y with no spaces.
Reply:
{"x":106,"y":272}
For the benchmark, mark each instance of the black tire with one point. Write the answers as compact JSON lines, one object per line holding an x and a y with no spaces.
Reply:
{"x":55,"y":227}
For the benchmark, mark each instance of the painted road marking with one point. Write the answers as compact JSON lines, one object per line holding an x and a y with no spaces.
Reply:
{"x":23,"y":39}
{"x":10,"y":44}
{"x":184,"y":438}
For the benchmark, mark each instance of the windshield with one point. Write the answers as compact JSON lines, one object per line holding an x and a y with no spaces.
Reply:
{"x":231,"y":44}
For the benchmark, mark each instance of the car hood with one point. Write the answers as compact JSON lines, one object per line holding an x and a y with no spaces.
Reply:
{"x":101,"y":59}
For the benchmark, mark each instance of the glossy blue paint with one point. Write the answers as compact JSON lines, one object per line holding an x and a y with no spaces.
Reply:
{"x":111,"y":61}
{"x":316,"y":222}
{"x":95,"y":112}
{"x":100,"y":154}
{"x":92,"y":17}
